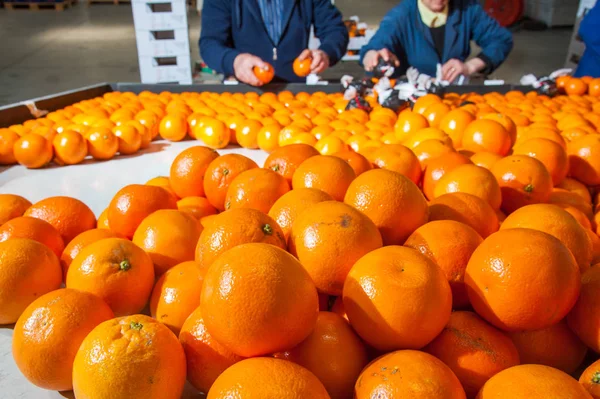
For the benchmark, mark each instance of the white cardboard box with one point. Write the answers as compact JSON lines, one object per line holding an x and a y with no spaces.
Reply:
{"x":152,"y":42}
{"x":152,"y":71}
{"x":154,"y":14}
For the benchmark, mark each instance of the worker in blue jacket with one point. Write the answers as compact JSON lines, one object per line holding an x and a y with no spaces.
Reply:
{"x":589,"y":31}
{"x":424,"y":33}
{"x":238,"y":35}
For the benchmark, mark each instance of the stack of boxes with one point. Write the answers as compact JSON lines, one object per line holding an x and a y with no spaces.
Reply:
{"x":577,"y":47}
{"x":552,"y":12}
{"x":163,"y":43}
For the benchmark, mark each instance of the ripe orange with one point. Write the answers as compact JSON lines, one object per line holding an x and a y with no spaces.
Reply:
{"x":467,"y":209}
{"x":70,"y":148}
{"x":219,"y":175}
{"x":485,"y":159}
{"x":333,"y":352}
{"x":265,"y":377}
{"x":563,"y":197}
{"x":28,"y":269}
{"x":438,"y":167}
{"x":430,"y":133}
{"x":424,"y":101}
{"x":198,"y":207}
{"x":133,"y":369}
{"x":33,"y":151}
{"x":408,"y":374}
{"x":214,"y":133}
{"x":265,"y":75}
{"x":590,"y":379}
{"x":474,"y":350}
{"x":247,"y":133}
{"x":130,"y":140}
{"x":454,"y":124}
{"x":398,"y":158}
{"x":584,"y":159}
{"x":12,"y":206}
{"x":515,"y":276}
{"x":576,"y":86}
{"x":256,"y":189}
{"x":435,"y":113}
{"x":162,"y":181}
{"x":583,"y":319}
{"x":34,"y":229}
{"x":8,"y":138}
{"x":81,"y":241}
{"x":268,"y":137}
{"x":397,"y":298}
{"x":409,"y":123}
{"x":552,"y":155}
{"x":326,"y":173}
{"x":102,"y":143}
{"x":234,"y":227}
{"x":48,"y":334}
{"x":486,"y":135}
{"x":257,"y":299}
{"x":358,"y":162}
{"x":173,"y":127}
{"x":68,"y":215}
{"x":188,"y":171}
{"x":508,"y":124}
{"x":286,"y":160}
{"x":302,"y":68}
{"x":471,"y":179}
{"x":116,"y":270}
{"x":328,"y":238}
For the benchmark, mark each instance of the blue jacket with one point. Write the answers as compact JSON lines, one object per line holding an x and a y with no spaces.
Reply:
{"x":589,"y":30}
{"x":403,"y":33}
{"x":232,"y":27}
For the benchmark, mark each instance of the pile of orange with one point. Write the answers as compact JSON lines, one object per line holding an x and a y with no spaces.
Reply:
{"x":449,"y":251}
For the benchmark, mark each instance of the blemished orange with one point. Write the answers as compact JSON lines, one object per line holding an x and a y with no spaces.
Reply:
{"x":169,"y":236}
{"x":557,"y":222}
{"x":584,"y":159}
{"x":68,"y":215}
{"x":257,"y":299}
{"x":328,"y":238}
{"x":33,"y":151}
{"x":555,"y":346}
{"x":397,"y":298}
{"x":28,"y":269}
{"x":47,"y":336}
{"x":583,"y":319}
{"x":176,"y":294}
{"x":265,"y":74}
{"x":409,"y":123}
{"x":173,"y":127}
{"x":550,"y":154}
{"x":290,"y":205}
{"x":116,"y":270}
{"x":8,"y":138}
{"x":450,"y":245}
{"x":206,"y":358}
{"x":474,"y":350}
{"x":198,"y":207}
{"x":132,"y":368}
{"x":256,"y":189}
{"x":188,"y":171}
{"x":523,"y":181}
{"x":532,"y":381}
{"x":385,"y":197}
{"x":133,"y":203}
{"x":327,"y":173}
{"x":471,"y":179}
{"x":438,"y":167}
{"x":130,"y":140}
{"x":408,"y":374}
{"x":522,"y":279}
{"x":81,"y":241}
{"x":70,"y":148}
{"x":12,"y":206}
{"x":486,"y":135}
{"x":102,"y":143}
{"x":302,"y":67}
{"x":332,"y":352}
{"x":34,"y":229}
{"x":265,"y":377}
{"x":235,"y":227}
{"x":398,"y":158}
{"x":286,"y":160}
{"x":590,"y":379}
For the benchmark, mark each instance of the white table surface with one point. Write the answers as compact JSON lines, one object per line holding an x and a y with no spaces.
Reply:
{"x":95,"y":183}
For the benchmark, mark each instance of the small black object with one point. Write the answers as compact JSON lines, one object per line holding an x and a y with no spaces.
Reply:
{"x":394,"y":102}
{"x":547,"y":87}
{"x":383,"y":69}
{"x":358,"y":102}
{"x":466,"y":103}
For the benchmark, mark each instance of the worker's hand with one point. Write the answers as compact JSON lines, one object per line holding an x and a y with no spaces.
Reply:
{"x":320,"y":60}
{"x":454,"y":68}
{"x":243,"y":66}
{"x":372,"y":58}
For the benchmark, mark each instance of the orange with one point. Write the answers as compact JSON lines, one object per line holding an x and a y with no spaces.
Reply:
{"x":326,"y":173}
{"x":173,"y":127}
{"x":48,"y":334}
{"x":12,"y":206}
{"x":563,"y":197}
{"x":398,"y":158}
{"x":450,"y":245}
{"x":145,"y":134}
{"x":34,"y":229}
{"x":454,"y":124}
{"x":583,"y":319}
{"x":590,"y":379}
{"x":508,"y":124}
{"x":70,"y":148}
{"x":206,"y":358}
{"x":103,"y":220}
{"x":68,"y":215}
{"x":219,"y":175}
{"x":471,"y":179}
{"x":116,"y":270}
{"x":576,"y":86}
{"x":330,"y":145}
{"x":438,"y":167}
{"x":397,"y":298}
{"x":214,"y":133}
{"x":257,"y":299}
{"x":328,"y":238}
{"x":595,"y":246}
{"x":435,"y":113}
{"x":234,"y":227}
{"x":28,"y":269}
{"x":33,"y":151}
{"x":8,"y":138}
{"x":584,"y":159}
{"x":256,"y":189}
{"x":409,"y":123}
{"x":129,"y":352}
{"x":267,"y":378}
{"x":542,"y":133}
{"x":523,"y":181}
{"x":429,"y":133}
{"x":485,"y":159}
{"x":47,"y":132}
{"x":286,"y":160}
{"x":177,"y":294}
{"x":333,"y":353}
{"x":555,"y":346}
{"x":474,"y":350}
{"x":486,"y":135}
{"x":302,"y":68}
{"x":81,"y":241}
{"x":431,"y":149}
{"x":198,"y":207}
{"x":358,"y":162}
{"x":188,"y":171}
{"x":594,"y":87}
{"x":532,"y":381}
{"x":130,"y":140}
{"x":102,"y":143}
{"x":247,"y":133}
{"x":386,"y":197}
{"x":169,"y":237}
{"x":522,"y":279}
{"x":265,"y":75}
{"x":408,"y":374}
{"x":424,"y":101}
{"x":557,"y":222}
{"x":161,"y":181}
{"x":288,"y":207}
{"x":561,"y":82}
{"x":552,"y":155}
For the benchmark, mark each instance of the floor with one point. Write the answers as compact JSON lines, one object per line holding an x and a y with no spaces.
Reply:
{"x":44,"y":52}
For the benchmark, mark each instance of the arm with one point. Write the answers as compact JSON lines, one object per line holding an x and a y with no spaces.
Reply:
{"x":588,"y":30}
{"x":330,"y":29}
{"x":216,"y":45}
{"x":387,"y":37}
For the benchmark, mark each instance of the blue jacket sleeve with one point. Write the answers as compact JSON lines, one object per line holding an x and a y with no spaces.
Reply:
{"x":388,"y":36}
{"x":589,"y":29}
{"x":216,"y":47}
{"x":330,"y":29}
{"x":495,"y":41}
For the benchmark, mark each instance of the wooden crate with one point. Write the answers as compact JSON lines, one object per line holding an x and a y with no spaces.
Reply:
{"x":39,"y":5}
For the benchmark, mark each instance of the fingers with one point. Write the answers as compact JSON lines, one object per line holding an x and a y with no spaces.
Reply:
{"x":244,"y":66}
{"x":304,"y":55}
{"x":371,"y":59}
{"x":255,"y":61}
{"x":249,"y":78}
{"x":320,"y":67}
{"x":317,"y":58}
{"x":451,"y":69}
{"x":385,"y":54}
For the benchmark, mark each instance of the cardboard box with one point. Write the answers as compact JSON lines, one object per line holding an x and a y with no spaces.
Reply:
{"x":156,"y":14}
{"x":163,"y":42}
{"x":176,"y":69}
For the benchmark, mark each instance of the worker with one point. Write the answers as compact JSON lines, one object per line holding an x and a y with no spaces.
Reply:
{"x":425,"y":33}
{"x":238,"y":35}
{"x":589,"y":31}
